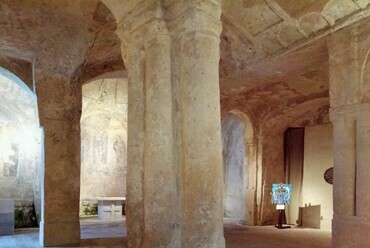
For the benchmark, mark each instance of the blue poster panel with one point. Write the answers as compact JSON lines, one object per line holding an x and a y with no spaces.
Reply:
{"x":281,"y":193}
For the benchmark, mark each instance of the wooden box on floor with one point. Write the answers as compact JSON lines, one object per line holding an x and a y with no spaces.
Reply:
{"x":310,"y":216}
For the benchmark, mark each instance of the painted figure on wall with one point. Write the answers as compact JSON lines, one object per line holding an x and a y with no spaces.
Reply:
{"x":10,"y":162}
{"x":100,"y":148}
{"x":85,"y":148}
{"x":120,"y":152}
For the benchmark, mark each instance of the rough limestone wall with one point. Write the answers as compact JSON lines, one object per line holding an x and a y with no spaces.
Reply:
{"x":272,"y":172}
{"x":233,"y":151}
{"x":103,"y":141}
{"x":19,"y":141}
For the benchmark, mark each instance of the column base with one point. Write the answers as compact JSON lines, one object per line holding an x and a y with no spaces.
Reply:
{"x":59,"y":233}
{"x":351,"y":232}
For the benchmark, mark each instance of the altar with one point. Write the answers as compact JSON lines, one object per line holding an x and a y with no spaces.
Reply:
{"x":109,"y":208}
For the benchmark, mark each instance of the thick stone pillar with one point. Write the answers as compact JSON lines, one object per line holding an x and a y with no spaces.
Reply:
{"x":363,"y":167}
{"x":174,"y":191}
{"x":160,"y":198}
{"x":197,"y":43}
{"x":345,"y":165}
{"x":59,"y":104}
{"x":134,"y":206}
{"x":350,"y":115}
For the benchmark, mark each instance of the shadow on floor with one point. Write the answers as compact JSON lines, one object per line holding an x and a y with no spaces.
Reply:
{"x":103,"y":242}
{"x":236,"y":236}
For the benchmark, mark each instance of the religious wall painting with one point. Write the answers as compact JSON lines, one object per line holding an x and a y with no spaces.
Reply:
{"x":85,"y":148}
{"x":10,"y":168}
{"x":103,"y":152}
{"x":119,"y":148}
{"x":100,"y":148}
{"x":9,"y":153}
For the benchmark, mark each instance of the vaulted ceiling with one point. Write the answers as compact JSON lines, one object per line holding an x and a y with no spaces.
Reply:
{"x":265,"y":41}
{"x":273,"y":52}
{"x":274,"y":58}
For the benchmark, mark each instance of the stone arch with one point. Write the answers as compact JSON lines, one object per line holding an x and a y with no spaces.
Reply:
{"x":12,"y":77}
{"x":239,"y":156}
{"x":21,"y":143}
{"x":103,"y":140}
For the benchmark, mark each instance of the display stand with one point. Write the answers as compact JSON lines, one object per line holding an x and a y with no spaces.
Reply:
{"x":281,"y":196}
{"x":280,"y":220}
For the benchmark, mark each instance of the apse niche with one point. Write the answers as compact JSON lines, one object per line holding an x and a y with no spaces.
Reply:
{"x":233,"y":152}
{"x":20,"y":153}
{"x":103,"y":141}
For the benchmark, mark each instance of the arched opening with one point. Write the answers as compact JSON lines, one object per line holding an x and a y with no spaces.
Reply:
{"x":103,"y":158}
{"x":20,"y":155}
{"x":309,"y":169}
{"x":239,"y":159}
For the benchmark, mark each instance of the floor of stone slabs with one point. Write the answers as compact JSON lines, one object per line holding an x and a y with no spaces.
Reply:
{"x":95,"y":233}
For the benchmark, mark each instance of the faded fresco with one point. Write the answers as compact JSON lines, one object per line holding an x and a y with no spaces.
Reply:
{"x":103,"y":140}
{"x":9,"y":155}
{"x":103,"y":152}
{"x":9,"y":161}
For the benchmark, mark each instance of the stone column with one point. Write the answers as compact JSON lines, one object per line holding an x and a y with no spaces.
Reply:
{"x":151,"y":179}
{"x":251,"y":175}
{"x":363,"y":167}
{"x":160,"y":198}
{"x":344,"y":165}
{"x":174,"y":179}
{"x":59,"y":105}
{"x":350,"y":114}
{"x":199,"y":106}
{"x":134,"y":206}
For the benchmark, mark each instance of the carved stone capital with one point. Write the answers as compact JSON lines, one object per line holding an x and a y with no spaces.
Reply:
{"x":181,"y":19}
{"x":187,"y":18}
{"x":352,"y":111}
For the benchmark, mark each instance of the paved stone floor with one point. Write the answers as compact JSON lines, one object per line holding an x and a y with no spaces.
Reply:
{"x":111,"y":234}
{"x":238,"y":236}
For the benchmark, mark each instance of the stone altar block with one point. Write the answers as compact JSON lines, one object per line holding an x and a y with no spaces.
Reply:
{"x":109,"y":208}
{"x":6,"y":216}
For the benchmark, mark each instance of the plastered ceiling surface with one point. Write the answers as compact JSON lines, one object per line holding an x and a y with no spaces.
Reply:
{"x":273,"y":52}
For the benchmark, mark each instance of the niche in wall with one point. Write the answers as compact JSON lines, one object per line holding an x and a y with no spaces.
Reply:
{"x":20,"y":153}
{"x":233,"y":152}
{"x":308,"y":154}
{"x":103,"y":141}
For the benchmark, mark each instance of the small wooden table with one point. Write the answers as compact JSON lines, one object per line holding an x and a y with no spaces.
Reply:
{"x":109,"y":208}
